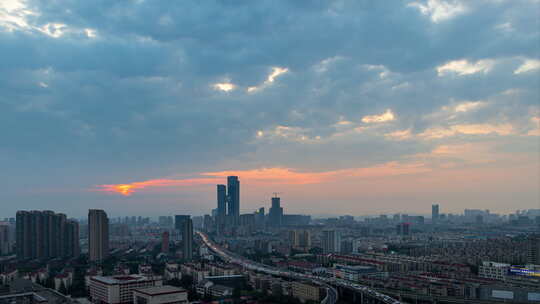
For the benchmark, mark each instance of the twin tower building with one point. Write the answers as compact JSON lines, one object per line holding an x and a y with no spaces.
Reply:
{"x":228,"y":207}
{"x":228,"y":201}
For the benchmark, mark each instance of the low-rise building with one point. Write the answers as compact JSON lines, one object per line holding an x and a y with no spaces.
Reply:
{"x":196,"y":271}
{"x":121,"y":269}
{"x":222,"y":270}
{"x":160,"y":295}
{"x":172,"y":271}
{"x":40,"y":275}
{"x":306,"y":291}
{"x":220,"y":291}
{"x":8,"y":276}
{"x":23,"y":291}
{"x":145,"y":269}
{"x":119,"y":289}
{"x":63,"y":279}
{"x":207,"y":287}
{"x":25,"y":297}
{"x":92,"y":272}
{"x":352,"y":273}
{"x":492,"y":270}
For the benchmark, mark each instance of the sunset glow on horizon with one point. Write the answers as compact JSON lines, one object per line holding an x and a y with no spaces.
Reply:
{"x":269,"y":176}
{"x":130,"y":188}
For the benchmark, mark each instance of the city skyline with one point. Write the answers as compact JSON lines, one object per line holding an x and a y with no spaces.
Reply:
{"x":345,"y":107}
{"x":227,"y":208}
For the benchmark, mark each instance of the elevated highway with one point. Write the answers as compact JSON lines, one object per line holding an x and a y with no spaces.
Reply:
{"x":371,"y":295}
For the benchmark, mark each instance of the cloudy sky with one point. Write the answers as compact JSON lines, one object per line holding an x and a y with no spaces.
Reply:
{"x":355,"y":107}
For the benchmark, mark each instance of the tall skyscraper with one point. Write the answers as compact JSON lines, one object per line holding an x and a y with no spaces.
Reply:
{"x":221,"y":201}
{"x":275,"y":214}
{"x":187,"y":239}
{"x":435,"y":213}
{"x":331,"y":241}
{"x":233,"y":198}
{"x":179,"y":222}
{"x":98,"y":235}
{"x":45,"y":234}
{"x":72,"y":246}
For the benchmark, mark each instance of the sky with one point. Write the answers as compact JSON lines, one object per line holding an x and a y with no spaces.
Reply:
{"x":353,"y":107}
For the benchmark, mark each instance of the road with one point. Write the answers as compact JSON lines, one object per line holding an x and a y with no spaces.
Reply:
{"x":331,"y":295}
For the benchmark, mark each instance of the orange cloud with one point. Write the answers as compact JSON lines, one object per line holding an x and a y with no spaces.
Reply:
{"x":276,"y":175}
{"x":272,"y":176}
{"x":128,"y":189}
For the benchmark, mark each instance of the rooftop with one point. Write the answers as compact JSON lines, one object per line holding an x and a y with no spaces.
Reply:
{"x":121,"y":279}
{"x":160,"y":290}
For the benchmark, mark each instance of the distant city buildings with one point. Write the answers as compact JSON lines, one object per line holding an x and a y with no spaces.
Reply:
{"x":45,"y":234}
{"x":98,"y":235}
{"x":300,"y":239}
{"x":275,"y":214}
{"x":435,"y":213}
{"x":166,"y":221}
{"x":226,"y":219}
{"x":331,"y":241}
{"x":260,"y":220}
{"x":403,"y":229}
{"x":376,"y":251}
{"x":295,"y":220}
